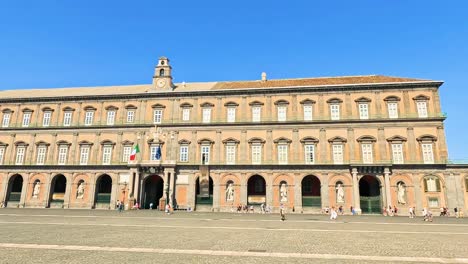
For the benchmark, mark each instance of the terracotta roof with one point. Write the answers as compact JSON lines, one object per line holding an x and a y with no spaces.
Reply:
{"x":346,"y":80}
{"x":206,"y":86}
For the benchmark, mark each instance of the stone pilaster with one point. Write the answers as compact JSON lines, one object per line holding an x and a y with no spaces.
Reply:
{"x":382,"y":145}
{"x":356,"y":198}
{"x":436,"y":103}
{"x":196,"y":111}
{"x":51,"y":155}
{"x":78,"y":114}
{"x":29,"y":159}
{"x":116,"y":157}
{"x":441,"y":145}
{"x":348,"y":114}
{"x":96,"y":149}
{"x":406,"y":104}
{"x":297,"y":192}
{"x":244,"y":109}
{"x":243,"y":188}
{"x":351,"y":145}
{"x":295,"y":115}
{"x":12,"y":150}
{"x":74,"y":150}
{"x":321,"y":108}
{"x":417,"y":193}
{"x":296,"y":145}
{"x":92,"y":190}
{"x":216,"y":191}
{"x":324,"y":190}
{"x":269,"y":148}
{"x":378,"y":106}
{"x":193,"y":149}
{"x":244,"y":147}
{"x":269,"y":189}
{"x":219,"y":145}
{"x":24,"y":190}
{"x":269,"y":109}
{"x":388,"y":195}
{"x":323,"y":144}
{"x":57,"y":115}
{"x":219,"y":110}
{"x":411,"y":145}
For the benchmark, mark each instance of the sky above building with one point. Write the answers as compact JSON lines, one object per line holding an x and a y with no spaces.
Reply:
{"x":48,"y":44}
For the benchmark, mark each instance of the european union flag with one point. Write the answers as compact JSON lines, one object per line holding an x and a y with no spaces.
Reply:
{"x":158,"y":153}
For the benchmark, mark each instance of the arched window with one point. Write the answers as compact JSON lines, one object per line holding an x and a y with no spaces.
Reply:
{"x":161,"y":72}
{"x":431,"y":184}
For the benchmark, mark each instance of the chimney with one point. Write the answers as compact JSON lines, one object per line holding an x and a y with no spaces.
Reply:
{"x":264,"y":78}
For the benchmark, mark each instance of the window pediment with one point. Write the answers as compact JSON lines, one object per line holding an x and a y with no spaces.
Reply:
{"x":427,"y":138}
{"x":127,"y":142}
{"x":256,"y":103}
{"x":3,"y":144}
{"x":421,"y":97}
{"x":334,"y":100}
{"x":68,"y":109}
{"x":130,"y":106}
{"x":107,"y":142}
{"x":309,"y":140}
{"x":363,"y":100}
{"x":207,"y":104}
{"x":21,"y":143}
{"x":156,"y":141}
{"x":43,"y":143}
{"x":111,"y":107}
{"x":186,"y":105}
{"x":184,"y":142}
{"x":231,"y":103}
{"x":27,"y":110}
{"x":231,"y":141}
{"x":158,"y":106}
{"x":85,"y":142}
{"x":392,"y":98}
{"x":7,"y":110}
{"x":90,"y":108}
{"x":282,"y":140}
{"x":281,"y":102}
{"x":396,"y":139}
{"x":63,"y":142}
{"x":47,"y":109}
{"x":307,"y":101}
{"x":256,"y":140}
{"x":337,"y":140}
{"x":366,"y":139}
{"x":205,"y":141}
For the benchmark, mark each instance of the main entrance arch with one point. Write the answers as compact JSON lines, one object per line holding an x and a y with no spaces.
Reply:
{"x":310,"y":187}
{"x":201,"y":199}
{"x":154,"y":191}
{"x":15,"y":187}
{"x":103,"y":192}
{"x":57,"y":196}
{"x":256,"y":190}
{"x":370,"y":195}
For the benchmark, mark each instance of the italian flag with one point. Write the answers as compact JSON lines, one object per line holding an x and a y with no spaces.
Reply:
{"x":135,"y":150}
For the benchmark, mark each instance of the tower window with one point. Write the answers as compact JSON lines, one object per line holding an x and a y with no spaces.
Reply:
{"x":161,"y":72}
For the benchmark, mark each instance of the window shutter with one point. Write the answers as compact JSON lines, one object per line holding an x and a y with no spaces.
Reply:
{"x":438,"y":185}
{"x":425,"y":185}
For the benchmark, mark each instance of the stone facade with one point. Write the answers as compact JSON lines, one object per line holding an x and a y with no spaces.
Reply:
{"x":381,"y":138}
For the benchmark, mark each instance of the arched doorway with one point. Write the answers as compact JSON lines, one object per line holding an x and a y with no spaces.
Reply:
{"x":103,"y":191}
{"x":370,"y":195}
{"x":15,"y":187}
{"x":154,"y":190}
{"x":256,"y":190}
{"x":57,"y":196}
{"x":201,"y":198}
{"x":310,"y":187}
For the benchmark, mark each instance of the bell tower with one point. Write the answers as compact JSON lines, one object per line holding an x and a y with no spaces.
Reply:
{"x":162,"y":78}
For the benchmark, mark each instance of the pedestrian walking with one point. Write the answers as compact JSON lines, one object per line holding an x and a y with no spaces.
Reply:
{"x":455,"y":210}
{"x":411,"y":212}
{"x":168,"y":209}
{"x":333,"y":213}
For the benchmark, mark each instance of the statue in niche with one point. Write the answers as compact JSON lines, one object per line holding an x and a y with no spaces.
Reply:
{"x":340,"y":198}
{"x":80,"y":190}
{"x":401,"y":191}
{"x":283,"y":192}
{"x":230,"y":192}
{"x":37,"y":189}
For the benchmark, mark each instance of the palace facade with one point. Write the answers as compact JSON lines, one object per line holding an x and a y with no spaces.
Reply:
{"x":361,"y":141}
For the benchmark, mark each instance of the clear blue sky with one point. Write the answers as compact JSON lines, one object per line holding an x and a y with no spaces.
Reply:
{"x":46,"y":44}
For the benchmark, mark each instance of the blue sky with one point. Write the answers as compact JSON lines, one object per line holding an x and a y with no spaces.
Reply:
{"x":46,"y":44}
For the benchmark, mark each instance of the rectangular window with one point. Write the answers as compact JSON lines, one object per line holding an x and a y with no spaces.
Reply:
{"x":307,"y":112}
{"x":157,"y":116}
{"x":231,"y":114}
{"x":46,"y":119}
{"x":206,"y":115}
{"x":256,"y":154}
{"x":183,"y":157}
{"x":281,"y":113}
{"x":106,"y":155}
{"x":428,"y":155}
{"x":110,"y":118}
{"x":84,"y":155}
{"x":205,"y":154}
{"x":6,"y":120}
{"x":26,"y":119}
{"x":367,"y":156}
{"x":2,"y":154}
{"x":282,"y":154}
{"x":397,"y":153}
{"x":89,"y":118}
{"x":431,"y":185}
{"x":20,"y":152}
{"x":337,"y":154}
{"x":185,"y":114}
{"x":41,"y":155}
{"x":433,"y":202}
{"x":335,"y":111}
{"x":155,"y":152}
{"x":62,"y":155}
{"x":392,"y":110}
{"x":422,"y":108}
{"x":256,"y":113}
{"x":363,"y":111}
{"x":309,"y":151}
{"x":230,"y":154}
{"x":130,"y":116}
{"x":67,"y":118}
{"x":127,"y":150}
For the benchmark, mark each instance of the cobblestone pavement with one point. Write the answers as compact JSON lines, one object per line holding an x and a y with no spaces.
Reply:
{"x":94,"y":236}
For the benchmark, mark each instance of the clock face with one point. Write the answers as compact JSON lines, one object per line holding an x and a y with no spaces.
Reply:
{"x":161,"y":82}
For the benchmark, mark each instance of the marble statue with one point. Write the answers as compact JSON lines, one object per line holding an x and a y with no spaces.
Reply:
{"x":230,"y":192}
{"x":37,"y":189}
{"x":80,"y":191}
{"x":401,"y":193}
{"x":340,"y":194}
{"x":283,"y":192}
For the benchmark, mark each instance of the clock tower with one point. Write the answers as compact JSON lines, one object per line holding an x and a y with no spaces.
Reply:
{"x":162,"y":79}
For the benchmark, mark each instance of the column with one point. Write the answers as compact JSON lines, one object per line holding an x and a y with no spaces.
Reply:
{"x":406,"y":104}
{"x":269,"y":188}
{"x":32,"y":146}
{"x":268,"y":108}
{"x":321,"y":108}
{"x":171,"y":187}
{"x":78,"y":114}
{"x":378,"y":105}
{"x":348,"y":112}
{"x":114,"y":192}
{"x":417,"y":193}
{"x":36,"y":118}
{"x":357,"y":203}
{"x":66,"y":202}
{"x":297,"y":192}
{"x":47,"y":190}
{"x":193,"y":149}
{"x":219,"y":110}
{"x":92,"y":190}
{"x":116,"y":158}
{"x":57,"y":114}
{"x":243,"y":147}
{"x":52,"y":147}
{"x":324,"y":190}
{"x":218,"y":144}
{"x":74,"y":148}
{"x":243,"y":188}
{"x":101,"y":116}
{"x":388,"y":195}
{"x":294,"y":108}
{"x":411,"y":145}
{"x":296,"y":145}
{"x":136,"y":194}
{"x":12,"y":150}
{"x":96,"y":146}
{"x":25,"y":189}
{"x":382,"y":144}
{"x":4,"y":189}
{"x":216,"y":191}
{"x":323,"y":144}
{"x":138,"y":116}
{"x":441,"y":145}
{"x":269,"y":148}
{"x":244,"y":109}
{"x":351,"y":145}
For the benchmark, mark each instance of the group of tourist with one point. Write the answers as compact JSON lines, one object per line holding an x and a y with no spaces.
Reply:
{"x":390,"y":211}
{"x":244,"y":208}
